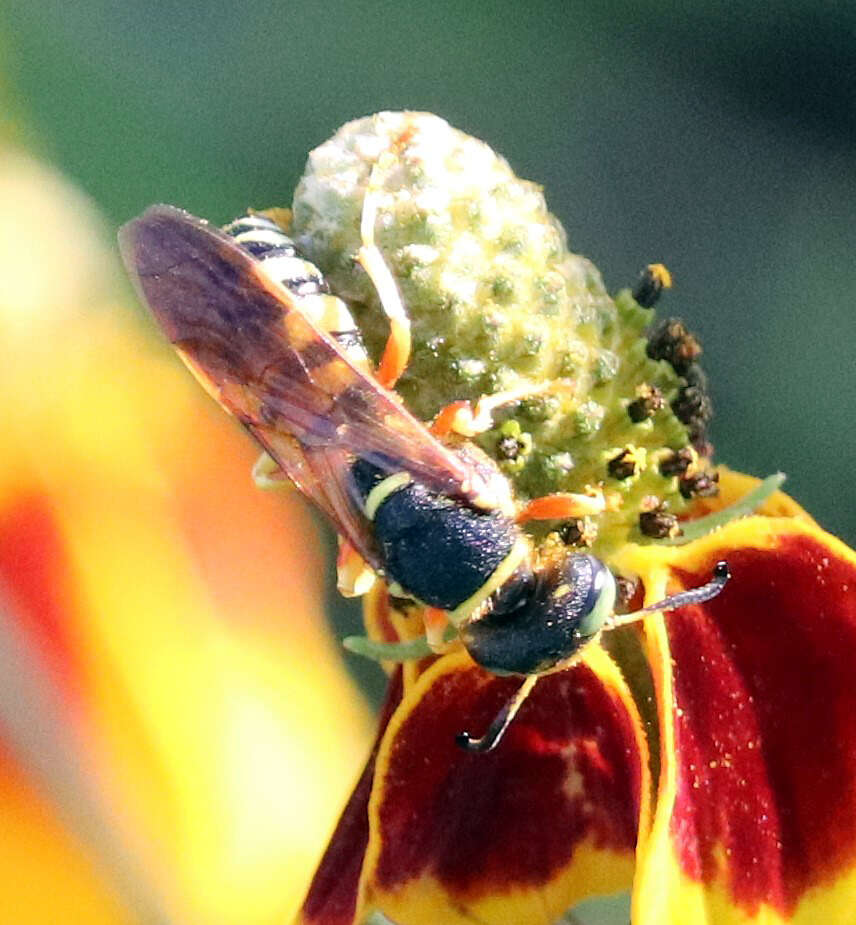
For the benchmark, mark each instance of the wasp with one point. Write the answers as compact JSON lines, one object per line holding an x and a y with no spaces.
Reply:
{"x":417,"y":505}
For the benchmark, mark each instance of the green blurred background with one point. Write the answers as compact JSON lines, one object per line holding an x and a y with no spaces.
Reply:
{"x":717,"y":139}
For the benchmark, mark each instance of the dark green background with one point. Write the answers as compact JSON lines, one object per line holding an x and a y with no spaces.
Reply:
{"x":719,"y":141}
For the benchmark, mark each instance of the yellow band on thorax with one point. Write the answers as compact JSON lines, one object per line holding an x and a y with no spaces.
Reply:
{"x":383,"y":490}
{"x":520,"y":551}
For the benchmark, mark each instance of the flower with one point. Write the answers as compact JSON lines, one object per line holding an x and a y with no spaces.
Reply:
{"x":705,"y":762}
{"x":164,"y":667}
{"x":173,"y":714}
{"x":754,"y":810}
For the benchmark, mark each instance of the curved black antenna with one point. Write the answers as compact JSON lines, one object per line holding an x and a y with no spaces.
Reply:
{"x":721,"y":576}
{"x":501,"y":722}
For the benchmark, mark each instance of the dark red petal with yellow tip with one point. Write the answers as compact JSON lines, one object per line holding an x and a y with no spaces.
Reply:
{"x":756,"y":816}
{"x":334,"y":896}
{"x":519,"y":834}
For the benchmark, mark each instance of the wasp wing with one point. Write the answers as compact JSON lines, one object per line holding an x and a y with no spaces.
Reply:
{"x":247,"y":341}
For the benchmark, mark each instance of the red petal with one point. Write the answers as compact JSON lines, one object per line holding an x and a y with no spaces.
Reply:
{"x":758,"y":714}
{"x":522,"y":832}
{"x":333,"y":897}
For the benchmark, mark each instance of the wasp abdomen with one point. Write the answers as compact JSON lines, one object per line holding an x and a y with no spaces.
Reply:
{"x":438,"y":550}
{"x":266,"y":241}
{"x":263,"y":239}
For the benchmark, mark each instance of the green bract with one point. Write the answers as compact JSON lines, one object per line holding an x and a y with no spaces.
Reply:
{"x":497,"y":301}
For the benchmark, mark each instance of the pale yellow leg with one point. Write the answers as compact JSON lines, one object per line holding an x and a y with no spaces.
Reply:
{"x":436,"y":621}
{"x":461,"y":418}
{"x":397,"y":350}
{"x":354,"y":577}
{"x":267,"y":474}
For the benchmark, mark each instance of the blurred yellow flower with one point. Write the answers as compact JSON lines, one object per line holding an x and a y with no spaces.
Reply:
{"x":173,"y":713}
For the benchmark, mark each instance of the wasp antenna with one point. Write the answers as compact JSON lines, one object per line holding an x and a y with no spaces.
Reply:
{"x":705,"y":592}
{"x":496,"y":730}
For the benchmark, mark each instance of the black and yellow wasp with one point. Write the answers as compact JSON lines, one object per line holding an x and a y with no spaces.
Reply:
{"x":256,"y":325}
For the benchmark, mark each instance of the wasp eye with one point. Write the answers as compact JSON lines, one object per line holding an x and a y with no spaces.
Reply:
{"x":540,"y":623}
{"x":598,"y":603}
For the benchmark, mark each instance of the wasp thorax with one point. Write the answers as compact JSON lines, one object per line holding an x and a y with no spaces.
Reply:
{"x":497,"y":302}
{"x":540,"y":619}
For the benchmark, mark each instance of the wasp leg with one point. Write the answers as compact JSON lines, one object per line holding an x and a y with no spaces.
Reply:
{"x":562,"y":506}
{"x":268,"y":475}
{"x":353,"y":577}
{"x":436,"y":625}
{"x":501,"y":721}
{"x":397,"y":350}
{"x":461,"y":418}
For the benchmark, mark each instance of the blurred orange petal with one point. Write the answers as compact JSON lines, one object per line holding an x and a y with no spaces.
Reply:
{"x":168,"y":613}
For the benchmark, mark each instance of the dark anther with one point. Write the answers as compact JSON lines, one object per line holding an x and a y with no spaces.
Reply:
{"x":581,"y":531}
{"x":623,"y":465}
{"x":648,"y":402}
{"x":671,"y":341}
{"x":677,"y":462}
{"x":693,"y":406}
{"x":700,"y":485}
{"x":659,"y":524}
{"x":625,"y":591}
{"x":652,"y":281}
{"x":508,"y":447}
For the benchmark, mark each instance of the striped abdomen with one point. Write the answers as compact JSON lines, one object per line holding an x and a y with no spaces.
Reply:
{"x":263,"y":239}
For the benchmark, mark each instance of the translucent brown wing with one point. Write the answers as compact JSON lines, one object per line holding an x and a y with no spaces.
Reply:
{"x":251,"y":347}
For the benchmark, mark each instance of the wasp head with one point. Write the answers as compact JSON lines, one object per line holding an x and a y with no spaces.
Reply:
{"x":541,"y":617}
